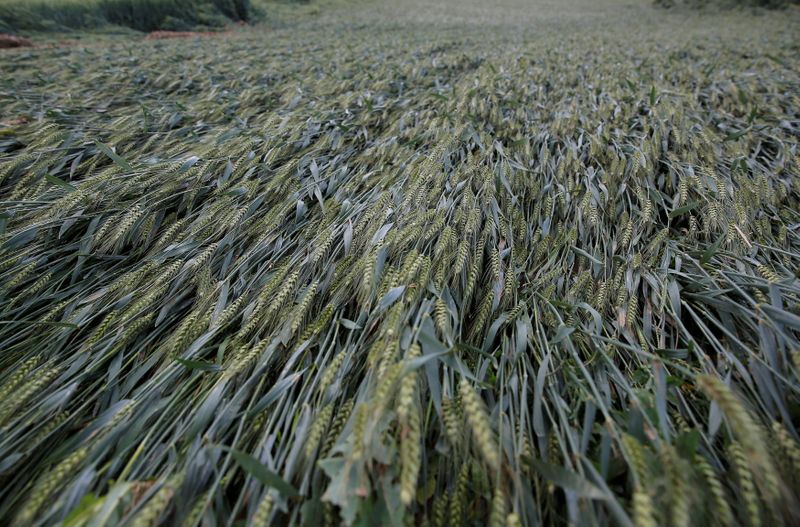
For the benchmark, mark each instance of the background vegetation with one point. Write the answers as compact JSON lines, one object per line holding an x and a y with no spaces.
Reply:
{"x":142,"y":15}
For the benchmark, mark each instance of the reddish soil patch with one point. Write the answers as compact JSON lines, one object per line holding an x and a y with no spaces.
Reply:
{"x":14,"y":121}
{"x":10,"y":41}
{"x":159,"y":35}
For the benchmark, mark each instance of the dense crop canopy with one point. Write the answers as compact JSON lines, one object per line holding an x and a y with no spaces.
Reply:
{"x":532,"y":270}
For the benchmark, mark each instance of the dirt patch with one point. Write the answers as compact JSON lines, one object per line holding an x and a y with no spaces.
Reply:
{"x":66,"y":43}
{"x":14,"y":121}
{"x":160,"y":35}
{"x":10,"y":41}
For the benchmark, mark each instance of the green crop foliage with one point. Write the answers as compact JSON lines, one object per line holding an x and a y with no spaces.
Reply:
{"x":443,"y":264}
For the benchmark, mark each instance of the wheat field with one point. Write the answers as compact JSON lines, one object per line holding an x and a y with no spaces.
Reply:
{"x":413,"y":263}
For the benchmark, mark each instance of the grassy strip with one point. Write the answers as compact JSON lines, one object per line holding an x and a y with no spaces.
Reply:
{"x":715,"y":4}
